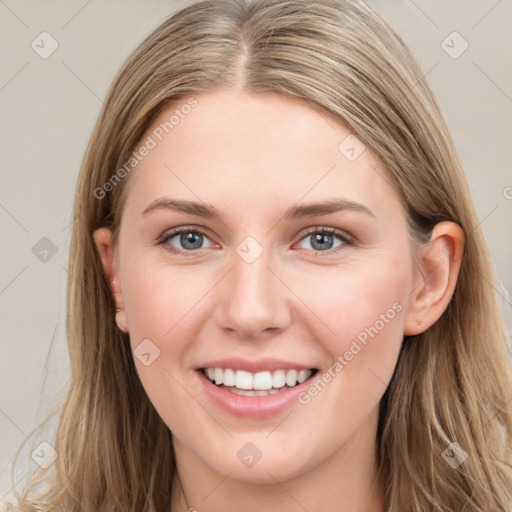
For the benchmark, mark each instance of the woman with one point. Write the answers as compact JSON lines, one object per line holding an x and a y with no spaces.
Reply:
{"x":278,"y":298}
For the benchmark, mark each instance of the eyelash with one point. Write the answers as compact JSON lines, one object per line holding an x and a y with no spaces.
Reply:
{"x":347,"y":241}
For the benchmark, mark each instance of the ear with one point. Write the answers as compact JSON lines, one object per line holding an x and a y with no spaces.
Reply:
{"x":103,"y":240}
{"x":439,"y":265}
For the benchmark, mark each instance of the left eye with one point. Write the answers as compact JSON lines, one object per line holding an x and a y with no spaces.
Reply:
{"x":322,"y":239}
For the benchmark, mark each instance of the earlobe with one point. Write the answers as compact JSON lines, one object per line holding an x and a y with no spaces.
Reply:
{"x":440,"y":264}
{"x":103,"y":240}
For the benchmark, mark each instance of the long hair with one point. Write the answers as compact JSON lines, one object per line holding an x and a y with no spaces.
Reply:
{"x":452,"y":383}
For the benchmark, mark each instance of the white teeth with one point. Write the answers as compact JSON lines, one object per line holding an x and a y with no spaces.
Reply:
{"x":229,"y":377}
{"x":256,"y":384}
{"x":279,"y":379}
{"x":262,"y":381}
{"x":303,"y":375}
{"x":243,"y":379}
{"x":291,"y":377}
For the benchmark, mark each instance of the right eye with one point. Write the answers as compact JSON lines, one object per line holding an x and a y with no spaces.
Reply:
{"x":190,"y":239}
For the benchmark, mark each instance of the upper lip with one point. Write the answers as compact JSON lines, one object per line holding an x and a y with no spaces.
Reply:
{"x":253,"y":366}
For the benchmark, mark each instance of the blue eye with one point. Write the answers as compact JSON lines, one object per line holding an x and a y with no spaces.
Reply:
{"x":322,"y":240}
{"x":192,"y":239}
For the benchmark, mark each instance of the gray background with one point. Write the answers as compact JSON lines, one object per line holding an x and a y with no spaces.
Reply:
{"x":48,"y":109}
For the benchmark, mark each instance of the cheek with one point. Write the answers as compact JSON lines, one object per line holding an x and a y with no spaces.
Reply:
{"x":161,"y":305}
{"x":361,"y":359}
{"x":358,"y":321}
{"x":161,"y":300}
{"x":343,"y":302}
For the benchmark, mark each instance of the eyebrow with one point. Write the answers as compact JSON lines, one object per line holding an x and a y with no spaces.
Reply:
{"x":296,"y":211}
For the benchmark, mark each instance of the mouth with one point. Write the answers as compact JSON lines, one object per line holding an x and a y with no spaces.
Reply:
{"x":257,"y":384}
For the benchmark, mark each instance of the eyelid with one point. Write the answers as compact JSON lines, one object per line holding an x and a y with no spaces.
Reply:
{"x":331,"y":231}
{"x":347,"y":239}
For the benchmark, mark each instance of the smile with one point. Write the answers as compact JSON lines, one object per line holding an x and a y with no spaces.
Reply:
{"x":242,"y":382}
{"x":254,"y":389}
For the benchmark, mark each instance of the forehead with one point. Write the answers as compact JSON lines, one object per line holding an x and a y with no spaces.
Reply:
{"x":249,"y":150}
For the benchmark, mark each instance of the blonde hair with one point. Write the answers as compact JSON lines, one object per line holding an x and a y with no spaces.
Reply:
{"x":452,"y":383}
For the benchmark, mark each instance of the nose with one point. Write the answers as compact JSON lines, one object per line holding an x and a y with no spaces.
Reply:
{"x":253,"y":301}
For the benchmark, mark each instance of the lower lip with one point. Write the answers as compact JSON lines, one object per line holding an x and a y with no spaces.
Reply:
{"x":253,"y":406}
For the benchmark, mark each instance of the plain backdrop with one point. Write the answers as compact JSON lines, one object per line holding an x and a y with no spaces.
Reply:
{"x":49,"y":104}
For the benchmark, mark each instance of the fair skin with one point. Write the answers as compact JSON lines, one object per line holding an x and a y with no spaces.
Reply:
{"x":253,"y":157}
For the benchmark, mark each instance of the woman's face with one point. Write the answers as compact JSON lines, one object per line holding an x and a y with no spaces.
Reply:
{"x":262,"y":285}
